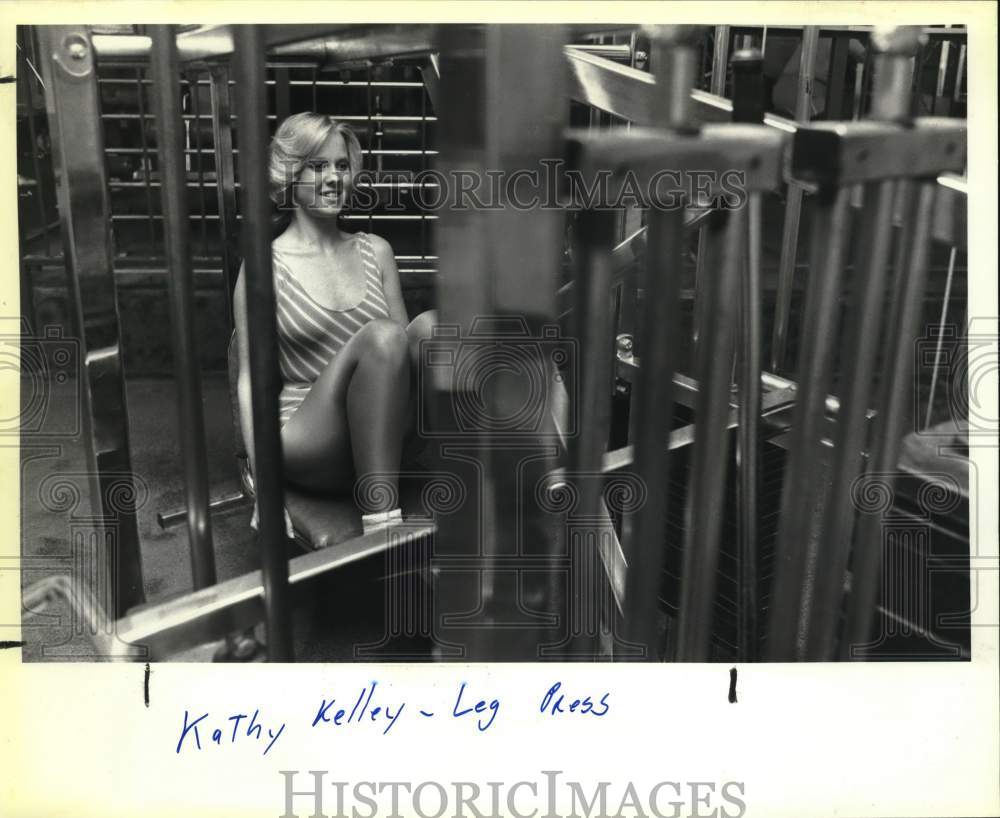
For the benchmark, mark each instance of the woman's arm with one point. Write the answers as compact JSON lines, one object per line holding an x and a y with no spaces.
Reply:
{"x":243,"y":354}
{"x":390,"y":280}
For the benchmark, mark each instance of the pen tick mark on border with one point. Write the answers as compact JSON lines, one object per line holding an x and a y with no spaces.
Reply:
{"x":4,"y":645}
{"x":145,"y":685}
{"x":732,"y":685}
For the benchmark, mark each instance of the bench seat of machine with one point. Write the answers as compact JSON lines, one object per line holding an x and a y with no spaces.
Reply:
{"x":321,"y":520}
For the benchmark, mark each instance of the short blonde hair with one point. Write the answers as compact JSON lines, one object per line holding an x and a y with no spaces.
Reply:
{"x":296,"y":142}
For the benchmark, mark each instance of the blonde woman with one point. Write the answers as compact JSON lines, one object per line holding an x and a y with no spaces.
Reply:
{"x":346,"y":345}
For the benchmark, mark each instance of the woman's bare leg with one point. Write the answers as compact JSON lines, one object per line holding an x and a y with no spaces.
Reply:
{"x":417,"y":330}
{"x":352,"y":422}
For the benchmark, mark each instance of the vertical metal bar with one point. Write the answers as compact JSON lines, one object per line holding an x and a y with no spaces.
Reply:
{"x":32,"y":46}
{"x":180,"y":282}
{"x":262,"y":316}
{"x":892,"y":406}
{"x":26,"y":289}
{"x":282,"y":102}
{"x":43,"y":221}
{"x":675,"y":60}
{"x":939,"y":88}
{"x":940,"y":341}
{"x":822,"y":612}
{"x":828,"y":242}
{"x":710,"y":458}
{"x":859,"y":88}
{"x":893,"y":65}
{"x":893,"y":52}
{"x":701,"y":267}
{"x":73,"y":107}
{"x":748,"y":86}
{"x":225,"y":180}
{"x":720,"y":61}
{"x":807,"y":67}
{"x":460,"y":244}
{"x":748,"y":106}
{"x":793,"y":208}
{"x":147,"y":165}
{"x":594,"y":332}
{"x":370,"y":131}
{"x":524,"y":252}
{"x":839,"y":53}
{"x":423,"y":169}
{"x":959,"y":73}
{"x":749,"y":435}
{"x":199,"y":159}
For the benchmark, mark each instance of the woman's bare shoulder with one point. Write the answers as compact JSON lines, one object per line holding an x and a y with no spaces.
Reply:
{"x":380,"y":246}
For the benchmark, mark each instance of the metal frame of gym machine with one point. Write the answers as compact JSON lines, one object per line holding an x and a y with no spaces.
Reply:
{"x":896,"y":151}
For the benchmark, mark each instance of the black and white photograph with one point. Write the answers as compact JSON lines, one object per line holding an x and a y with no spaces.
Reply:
{"x":406,"y":352}
{"x":531,"y":343}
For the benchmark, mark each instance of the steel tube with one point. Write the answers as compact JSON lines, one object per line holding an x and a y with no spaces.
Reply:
{"x":892,"y":411}
{"x":195,"y":125}
{"x":749,"y":431}
{"x":147,"y":168}
{"x":822,"y":612}
{"x":225,"y":176}
{"x":262,"y":316}
{"x":593,"y":329}
{"x":710,"y":458}
{"x":33,"y":136}
{"x":73,"y":107}
{"x":940,"y":340}
{"x":720,"y":61}
{"x":828,"y":241}
{"x":674,"y":60}
{"x":793,"y":207}
{"x":180,"y":286}
{"x":594,"y":332}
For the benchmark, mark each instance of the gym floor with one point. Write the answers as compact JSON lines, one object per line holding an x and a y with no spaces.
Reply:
{"x":348,"y":612}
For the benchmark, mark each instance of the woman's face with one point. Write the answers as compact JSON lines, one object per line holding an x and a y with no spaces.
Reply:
{"x":324,"y":183}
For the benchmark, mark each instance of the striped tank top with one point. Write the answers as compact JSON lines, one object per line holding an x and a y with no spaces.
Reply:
{"x":309,"y":334}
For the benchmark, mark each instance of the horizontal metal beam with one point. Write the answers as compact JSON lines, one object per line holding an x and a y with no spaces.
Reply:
{"x":214,"y":612}
{"x":629,"y":93}
{"x":712,"y":155}
{"x":330,"y":44}
{"x":845,"y":153}
{"x":324,"y":44}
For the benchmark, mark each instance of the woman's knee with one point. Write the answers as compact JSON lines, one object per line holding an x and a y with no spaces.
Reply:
{"x":385,"y":340}
{"x":422,"y":326}
{"x":420,"y":329}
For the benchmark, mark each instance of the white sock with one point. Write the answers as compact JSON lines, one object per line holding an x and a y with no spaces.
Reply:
{"x":380,"y":519}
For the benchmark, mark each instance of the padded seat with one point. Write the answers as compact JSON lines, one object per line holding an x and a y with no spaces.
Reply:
{"x":322,"y":520}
